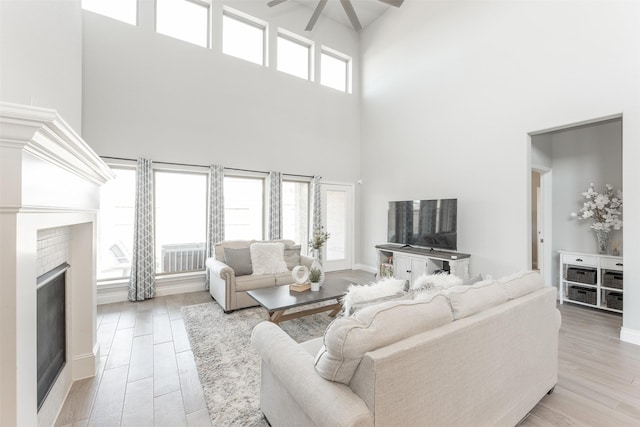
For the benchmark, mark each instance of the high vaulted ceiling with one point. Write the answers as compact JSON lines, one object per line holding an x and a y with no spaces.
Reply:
{"x":367,"y":10}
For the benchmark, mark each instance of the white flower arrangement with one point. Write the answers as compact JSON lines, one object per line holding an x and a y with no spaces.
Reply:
{"x":604,"y":209}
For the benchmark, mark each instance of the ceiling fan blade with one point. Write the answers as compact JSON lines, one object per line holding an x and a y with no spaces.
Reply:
{"x":275,"y":2}
{"x":396,"y":3}
{"x":316,"y":15}
{"x":351,"y":13}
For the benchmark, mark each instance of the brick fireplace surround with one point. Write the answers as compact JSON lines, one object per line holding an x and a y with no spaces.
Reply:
{"x":49,"y":179}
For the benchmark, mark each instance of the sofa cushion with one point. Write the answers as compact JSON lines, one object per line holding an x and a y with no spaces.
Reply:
{"x":268,"y":258}
{"x":254,"y":281}
{"x":347,"y":339}
{"x":292,"y":255}
{"x":522,"y":283}
{"x":468,"y":300}
{"x":235,"y":244}
{"x":239,"y":260}
{"x":284,"y":278}
{"x":374,"y":292}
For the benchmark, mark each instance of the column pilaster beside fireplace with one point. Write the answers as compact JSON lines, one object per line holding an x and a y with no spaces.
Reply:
{"x":49,"y":178}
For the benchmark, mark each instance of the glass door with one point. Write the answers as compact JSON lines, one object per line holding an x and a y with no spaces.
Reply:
{"x":337,"y":212}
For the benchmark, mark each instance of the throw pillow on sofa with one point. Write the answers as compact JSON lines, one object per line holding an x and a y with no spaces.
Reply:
{"x":440,"y":280}
{"x":239,"y":260}
{"x":359,"y":296}
{"x":268,"y":258}
{"x":292,"y":255}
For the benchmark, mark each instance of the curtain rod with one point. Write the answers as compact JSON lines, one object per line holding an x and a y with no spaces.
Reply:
{"x":203,"y":166}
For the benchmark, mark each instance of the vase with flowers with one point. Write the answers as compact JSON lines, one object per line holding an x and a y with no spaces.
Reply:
{"x":318,"y":239}
{"x":604,"y":210}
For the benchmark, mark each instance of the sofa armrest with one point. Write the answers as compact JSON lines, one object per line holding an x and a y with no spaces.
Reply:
{"x":326,"y":403}
{"x":222,"y":283}
{"x":306,"y":260}
{"x":220,"y":269}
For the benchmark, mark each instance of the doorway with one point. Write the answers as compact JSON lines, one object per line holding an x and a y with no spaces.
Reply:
{"x":337,"y":213}
{"x":576,"y":155}
{"x":541,"y":220}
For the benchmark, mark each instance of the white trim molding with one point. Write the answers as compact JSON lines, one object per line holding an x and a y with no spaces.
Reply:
{"x":116,"y":291}
{"x":44,"y":133}
{"x":630,"y":335}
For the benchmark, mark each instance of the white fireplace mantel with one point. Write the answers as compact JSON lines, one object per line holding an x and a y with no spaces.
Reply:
{"x":49,"y":178}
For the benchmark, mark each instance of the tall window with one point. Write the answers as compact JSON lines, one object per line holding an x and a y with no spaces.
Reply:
{"x":186,"y":20}
{"x":122,"y":10}
{"x":295,"y":211}
{"x":335,"y":70}
{"x":115,"y":233}
{"x":294,"y":55}
{"x":243,"y":208}
{"x":180,"y":221}
{"x":244,"y":37}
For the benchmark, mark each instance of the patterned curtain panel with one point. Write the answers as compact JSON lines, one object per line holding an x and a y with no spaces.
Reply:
{"x":316,"y":208}
{"x":275,"y":205}
{"x":142,"y":283}
{"x":215,"y":220}
{"x":316,"y":203}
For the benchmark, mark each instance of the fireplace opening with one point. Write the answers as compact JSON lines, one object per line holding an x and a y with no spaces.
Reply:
{"x":51,"y":328}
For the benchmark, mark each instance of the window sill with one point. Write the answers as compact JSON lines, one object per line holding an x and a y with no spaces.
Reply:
{"x":160,"y":279}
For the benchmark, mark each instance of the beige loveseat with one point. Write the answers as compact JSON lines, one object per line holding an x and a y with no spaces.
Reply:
{"x":480,"y":355}
{"x":230,"y":289}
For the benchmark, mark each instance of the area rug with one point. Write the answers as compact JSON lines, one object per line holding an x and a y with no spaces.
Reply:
{"x":228,"y":366}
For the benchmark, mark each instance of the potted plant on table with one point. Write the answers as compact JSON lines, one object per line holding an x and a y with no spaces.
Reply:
{"x":314,"y":278}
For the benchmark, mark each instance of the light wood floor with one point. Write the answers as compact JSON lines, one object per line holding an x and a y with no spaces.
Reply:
{"x":147,"y":375}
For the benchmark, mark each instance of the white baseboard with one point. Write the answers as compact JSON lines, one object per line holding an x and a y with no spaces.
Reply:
{"x":164,"y":287}
{"x":84,"y":365}
{"x":630,"y":335}
{"x":367,"y":268}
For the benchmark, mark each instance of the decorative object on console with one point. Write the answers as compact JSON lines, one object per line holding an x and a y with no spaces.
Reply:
{"x":615,"y":248}
{"x":605,"y":210}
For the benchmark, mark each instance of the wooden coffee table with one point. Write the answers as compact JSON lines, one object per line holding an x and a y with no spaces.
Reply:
{"x":279,"y":299}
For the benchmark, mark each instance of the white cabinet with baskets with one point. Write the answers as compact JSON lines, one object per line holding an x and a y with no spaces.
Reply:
{"x":591,"y":280}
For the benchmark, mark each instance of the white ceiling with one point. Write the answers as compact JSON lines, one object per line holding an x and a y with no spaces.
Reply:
{"x":367,"y":10}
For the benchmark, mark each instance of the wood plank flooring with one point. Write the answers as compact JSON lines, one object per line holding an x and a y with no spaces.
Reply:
{"x":147,"y":374}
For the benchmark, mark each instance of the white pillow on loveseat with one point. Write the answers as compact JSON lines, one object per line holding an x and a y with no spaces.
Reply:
{"x":268,"y":258}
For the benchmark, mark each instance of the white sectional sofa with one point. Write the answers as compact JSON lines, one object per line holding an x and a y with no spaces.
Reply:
{"x":229,"y":285}
{"x":480,"y":355}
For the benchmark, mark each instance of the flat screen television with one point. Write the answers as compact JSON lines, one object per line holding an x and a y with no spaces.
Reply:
{"x":424,"y":223}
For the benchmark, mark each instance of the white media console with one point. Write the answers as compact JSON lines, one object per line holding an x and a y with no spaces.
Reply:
{"x":406,"y":262}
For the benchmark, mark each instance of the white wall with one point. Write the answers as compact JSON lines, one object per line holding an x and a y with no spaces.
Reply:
{"x":41,"y":55}
{"x":452,"y":89}
{"x":147,"y":94}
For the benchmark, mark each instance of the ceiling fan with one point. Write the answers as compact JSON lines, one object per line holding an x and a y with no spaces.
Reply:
{"x":346,"y":5}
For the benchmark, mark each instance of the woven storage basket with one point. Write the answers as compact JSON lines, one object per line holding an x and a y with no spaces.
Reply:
{"x":614,"y":300}
{"x":581,"y":275}
{"x":582,"y":294}
{"x":612,"y":279}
